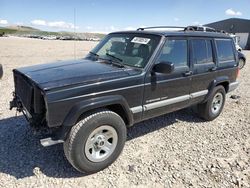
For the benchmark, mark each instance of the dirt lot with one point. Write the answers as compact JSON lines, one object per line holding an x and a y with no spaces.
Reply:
{"x":174,"y":150}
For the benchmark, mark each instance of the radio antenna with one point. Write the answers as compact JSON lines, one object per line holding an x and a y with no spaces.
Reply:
{"x":75,"y":33}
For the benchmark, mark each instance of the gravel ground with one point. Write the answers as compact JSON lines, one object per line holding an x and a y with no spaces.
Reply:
{"x":174,"y":150}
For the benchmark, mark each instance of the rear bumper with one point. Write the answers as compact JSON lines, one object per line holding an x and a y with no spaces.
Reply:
{"x":233,"y":86}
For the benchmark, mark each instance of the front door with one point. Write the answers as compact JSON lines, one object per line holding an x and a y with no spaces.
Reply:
{"x":168,"y":92}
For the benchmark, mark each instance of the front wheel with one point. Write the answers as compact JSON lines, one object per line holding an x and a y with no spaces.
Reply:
{"x":96,"y":141}
{"x":213,"y":107}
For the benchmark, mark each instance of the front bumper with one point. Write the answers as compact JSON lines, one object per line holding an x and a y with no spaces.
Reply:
{"x":233,"y":86}
{"x":17,"y":103}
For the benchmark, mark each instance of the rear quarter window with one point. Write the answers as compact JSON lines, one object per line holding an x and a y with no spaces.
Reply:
{"x":225,"y":50}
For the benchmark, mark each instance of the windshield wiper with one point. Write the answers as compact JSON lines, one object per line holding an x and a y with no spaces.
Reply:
{"x":93,"y":53}
{"x":118,"y":63}
{"x":114,"y":57}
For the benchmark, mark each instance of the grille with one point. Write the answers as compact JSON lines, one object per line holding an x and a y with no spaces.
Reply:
{"x":24,"y":91}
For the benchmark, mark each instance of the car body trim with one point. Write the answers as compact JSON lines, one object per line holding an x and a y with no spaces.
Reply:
{"x":166,"y":102}
{"x":136,"y":109}
{"x":233,"y":86}
{"x":199,"y":93}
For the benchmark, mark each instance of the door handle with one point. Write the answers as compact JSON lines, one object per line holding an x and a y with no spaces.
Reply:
{"x":213,"y":69}
{"x":188,"y":73}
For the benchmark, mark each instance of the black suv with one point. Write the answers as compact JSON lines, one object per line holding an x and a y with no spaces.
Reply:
{"x":130,"y":76}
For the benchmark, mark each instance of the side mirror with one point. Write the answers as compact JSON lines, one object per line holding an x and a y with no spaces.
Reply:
{"x":164,"y":67}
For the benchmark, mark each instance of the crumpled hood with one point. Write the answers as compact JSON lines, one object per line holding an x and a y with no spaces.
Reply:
{"x":59,"y":74}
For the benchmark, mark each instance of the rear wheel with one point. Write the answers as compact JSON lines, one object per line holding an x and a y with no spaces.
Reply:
{"x":213,"y":107}
{"x":96,"y":141}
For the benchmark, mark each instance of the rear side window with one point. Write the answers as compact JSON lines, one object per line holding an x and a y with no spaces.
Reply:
{"x":225,"y":50}
{"x":175,"y":51}
{"x":202,"y":51}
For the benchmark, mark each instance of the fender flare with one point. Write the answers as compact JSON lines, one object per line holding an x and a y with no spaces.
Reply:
{"x":94,"y":103}
{"x":88,"y":105}
{"x":214,"y":83}
{"x":241,"y":56}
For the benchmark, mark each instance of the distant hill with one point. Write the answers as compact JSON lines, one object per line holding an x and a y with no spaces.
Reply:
{"x":21,"y":28}
{"x":25,"y":31}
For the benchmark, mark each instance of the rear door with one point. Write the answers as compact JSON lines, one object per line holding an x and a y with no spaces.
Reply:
{"x":227,"y":58}
{"x":203,"y":67}
{"x":168,"y":92}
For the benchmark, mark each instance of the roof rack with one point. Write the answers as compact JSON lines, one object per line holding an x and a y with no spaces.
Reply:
{"x":188,"y":28}
{"x":161,"y":27}
{"x":200,"y":28}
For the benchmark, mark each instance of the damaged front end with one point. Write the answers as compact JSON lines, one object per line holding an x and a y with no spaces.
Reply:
{"x":17,"y":103}
{"x":28,"y":99}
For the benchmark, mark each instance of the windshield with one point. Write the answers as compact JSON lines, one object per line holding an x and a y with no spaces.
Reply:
{"x":127,"y":49}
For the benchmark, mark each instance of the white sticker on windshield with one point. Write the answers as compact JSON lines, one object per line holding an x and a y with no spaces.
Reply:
{"x":116,"y":39}
{"x":140,"y":40}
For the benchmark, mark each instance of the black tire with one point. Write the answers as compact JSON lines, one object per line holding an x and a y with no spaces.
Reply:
{"x":1,"y":71}
{"x":206,"y":110}
{"x":76,"y":142}
{"x":242,"y":63}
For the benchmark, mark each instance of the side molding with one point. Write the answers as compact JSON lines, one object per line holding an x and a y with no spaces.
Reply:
{"x":199,"y":94}
{"x":166,"y":102}
{"x":136,"y":109}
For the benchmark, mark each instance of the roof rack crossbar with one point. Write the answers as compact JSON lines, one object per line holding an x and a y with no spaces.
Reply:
{"x":160,"y":27}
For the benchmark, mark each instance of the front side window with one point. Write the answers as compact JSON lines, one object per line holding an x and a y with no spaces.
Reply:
{"x":202,"y":51}
{"x":131,"y":49}
{"x":225,"y":50}
{"x":174,"y":51}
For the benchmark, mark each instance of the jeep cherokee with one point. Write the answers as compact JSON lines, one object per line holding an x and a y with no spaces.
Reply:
{"x":129,"y":77}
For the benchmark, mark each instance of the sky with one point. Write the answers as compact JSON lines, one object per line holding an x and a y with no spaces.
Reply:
{"x":112,"y":15}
